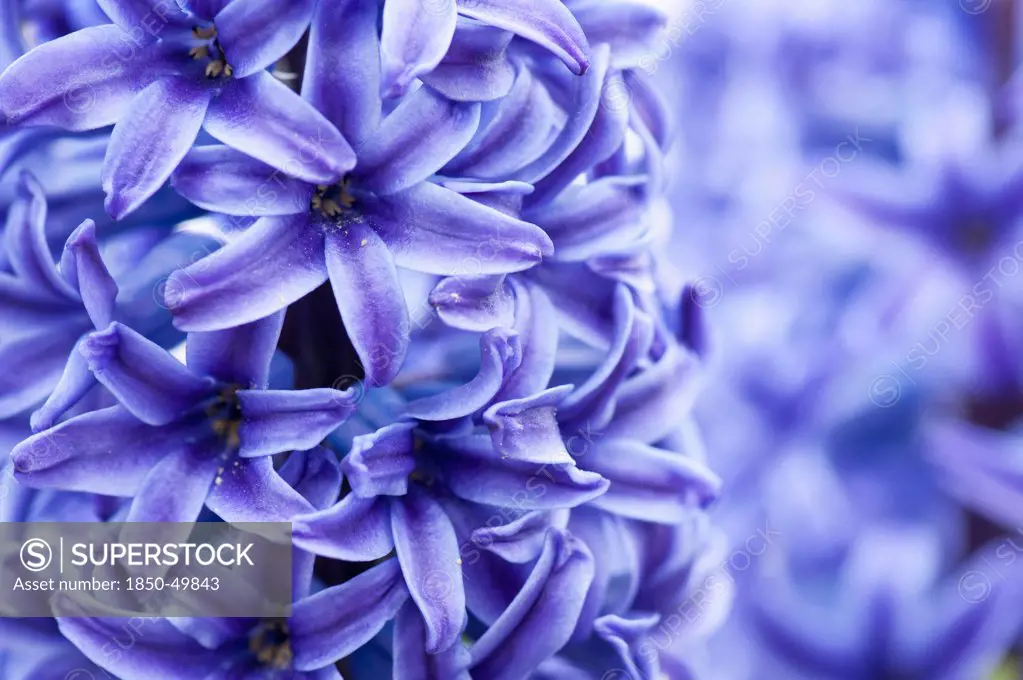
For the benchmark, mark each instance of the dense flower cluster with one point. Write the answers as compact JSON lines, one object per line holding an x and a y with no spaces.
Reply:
{"x":383,"y":269}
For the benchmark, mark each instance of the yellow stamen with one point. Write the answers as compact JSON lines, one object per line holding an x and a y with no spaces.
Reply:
{"x":199,"y":52}
{"x":204,"y":33}
{"x":214,"y":69}
{"x":331,"y":208}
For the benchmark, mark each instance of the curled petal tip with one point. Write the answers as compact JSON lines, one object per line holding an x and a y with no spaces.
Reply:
{"x":39,"y":422}
{"x":84,"y":234}
{"x":101,"y":346}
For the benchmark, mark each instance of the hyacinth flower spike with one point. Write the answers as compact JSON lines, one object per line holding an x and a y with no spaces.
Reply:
{"x":159,"y":73}
{"x":325,"y":626}
{"x":186,"y":436}
{"x":385,"y":213}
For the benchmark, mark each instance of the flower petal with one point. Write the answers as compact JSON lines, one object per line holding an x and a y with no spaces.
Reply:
{"x":342,"y":76}
{"x":335,"y":622}
{"x":526,"y":429}
{"x":506,"y":197}
{"x":370,"y":300}
{"x":25,"y":239}
{"x":651,"y":403}
{"x":224,"y":180}
{"x":106,"y":452}
{"x":583,"y":101}
{"x":630,"y":27}
{"x":252,"y":491}
{"x":605,"y":135}
{"x":380,"y":463}
{"x":264,"y":118}
{"x":474,"y":471}
{"x":546,"y":22}
{"x":583,"y":299}
{"x":91,"y":277}
{"x":650,"y":484}
{"x":273,"y":263}
{"x":145,"y":378}
{"x":434,"y":230}
{"x":252,"y":43}
{"x":411,"y":662}
{"x":518,"y":132}
{"x":543,"y":615}
{"x":82,"y":81}
{"x":428,"y":552}
{"x":355,"y":529}
{"x":417,"y":139}
{"x":149,"y":142}
{"x":144,"y":20}
{"x":474,"y":303}
{"x":74,"y":384}
{"x":23,"y":305}
{"x":275,"y":421}
{"x":537,"y":326}
{"x":315,"y":474}
{"x":476,"y":67}
{"x":519,"y":541}
{"x":177,"y":486}
{"x":40,"y":359}
{"x":626,"y":636}
{"x":205,"y":9}
{"x":237,"y":356}
{"x":162,"y":651}
{"x":11,"y":42}
{"x":500,"y":354}
{"x":415,"y":37}
{"x":591,"y":406}
{"x":602,"y":217}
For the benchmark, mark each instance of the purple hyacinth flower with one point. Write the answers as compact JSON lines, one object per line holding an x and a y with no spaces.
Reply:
{"x":184,"y":437}
{"x":418,"y":36}
{"x":385,"y":213}
{"x":615,"y":422}
{"x":406,"y":477}
{"x":46,"y":309}
{"x":326,"y":625}
{"x":160,"y":73}
{"x":541,"y":618}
